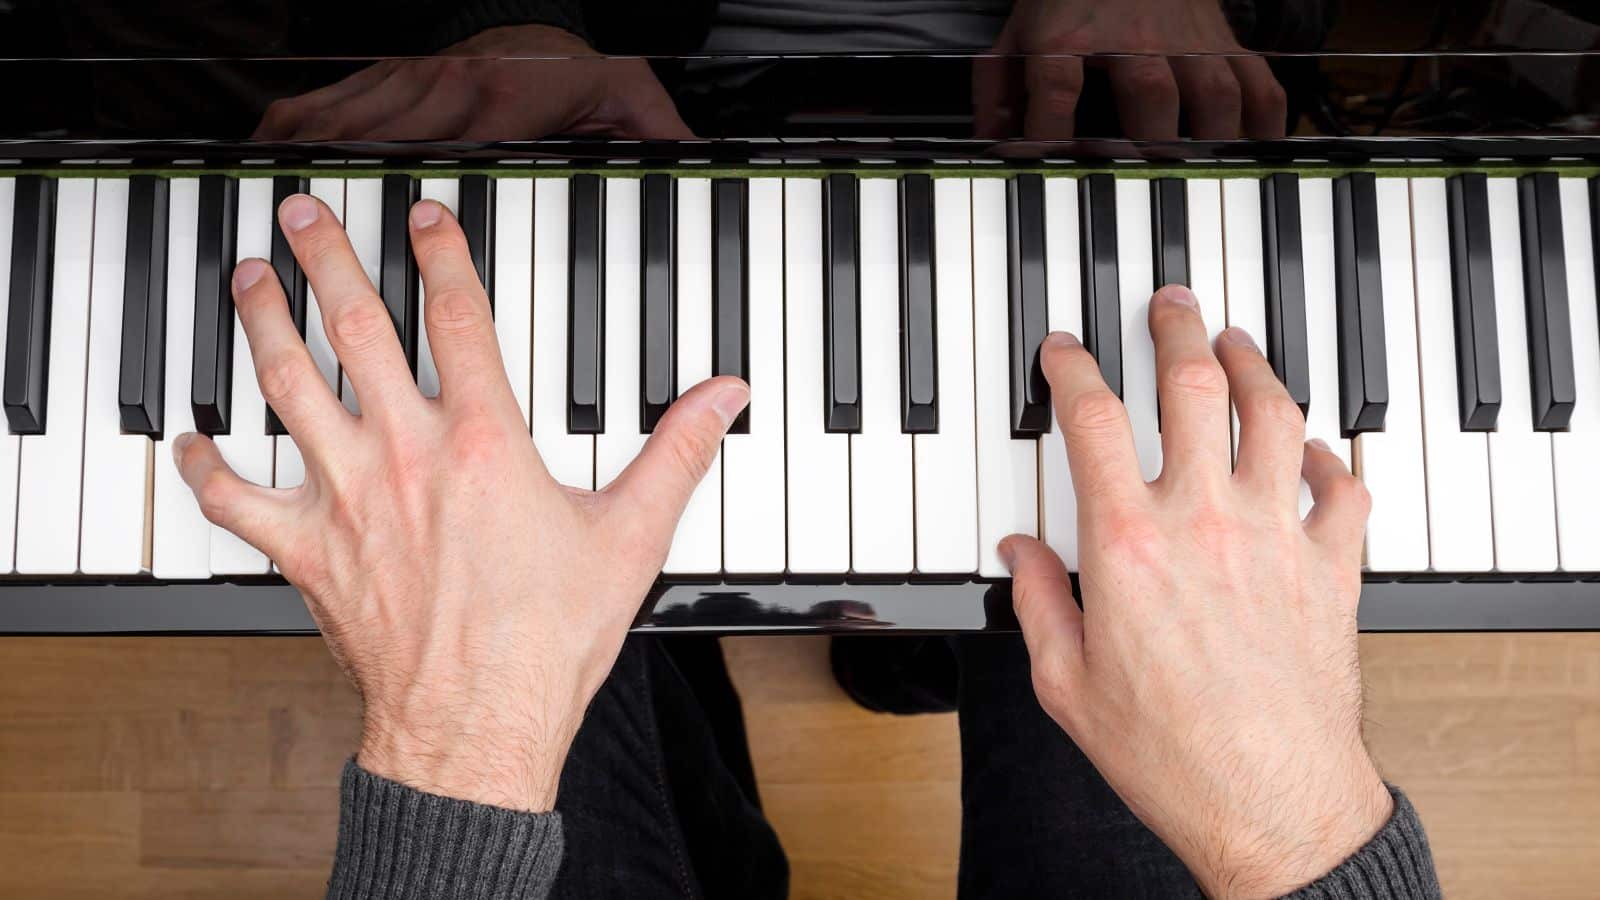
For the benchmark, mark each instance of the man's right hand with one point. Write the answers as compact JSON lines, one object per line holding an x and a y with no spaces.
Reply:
{"x":1211,"y":675}
{"x":518,"y":82}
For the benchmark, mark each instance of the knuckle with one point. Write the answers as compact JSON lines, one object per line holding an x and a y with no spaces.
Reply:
{"x":691,"y":449}
{"x":1152,"y":81}
{"x":478,"y":440}
{"x":1276,"y":409}
{"x":280,"y":114}
{"x":1221,"y":89}
{"x":456,"y":311}
{"x":1051,"y":680}
{"x":216,"y":496}
{"x":357,"y":325}
{"x":280,"y":379}
{"x":1198,"y":377}
{"x":1094,"y":413}
{"x":1052,"y":73}
{"x":1266,"y":94}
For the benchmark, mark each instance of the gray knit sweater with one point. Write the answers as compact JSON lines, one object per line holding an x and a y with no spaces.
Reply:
{"x":396,"y":842}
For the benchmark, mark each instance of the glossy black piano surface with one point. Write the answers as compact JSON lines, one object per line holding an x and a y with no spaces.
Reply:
{"x":1311,"y":96}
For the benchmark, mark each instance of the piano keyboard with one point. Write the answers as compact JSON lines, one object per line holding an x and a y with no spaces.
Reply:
{"x":1439,"y":332}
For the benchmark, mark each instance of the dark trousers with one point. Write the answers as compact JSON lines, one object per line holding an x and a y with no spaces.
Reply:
{"x":658,"y":799}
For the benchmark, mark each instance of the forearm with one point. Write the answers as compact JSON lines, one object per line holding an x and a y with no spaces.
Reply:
{"x":1395,"y":865}
{"x":395,"y":841}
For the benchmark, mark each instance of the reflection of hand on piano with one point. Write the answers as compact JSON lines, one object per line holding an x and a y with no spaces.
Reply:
{"x":1212,"y":674}
{"x":1036,"y":96}
{"x":476,"y":603}
{"x":513,"y":83}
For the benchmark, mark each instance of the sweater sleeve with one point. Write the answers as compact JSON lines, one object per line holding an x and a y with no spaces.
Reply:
{"x":398,"y":842}
{"x":1395,"y":865}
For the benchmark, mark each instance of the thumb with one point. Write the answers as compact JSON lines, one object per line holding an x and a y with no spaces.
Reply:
{"x":1052,"y":624}
{"x":660,"y":480}
{"x":648,"y":113}
{"x":258,"y":515}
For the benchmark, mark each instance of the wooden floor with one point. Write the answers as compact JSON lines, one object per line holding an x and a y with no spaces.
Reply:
{"x":206,"y":767}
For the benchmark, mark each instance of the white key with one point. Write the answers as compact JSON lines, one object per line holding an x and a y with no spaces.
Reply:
{"x":1207,"y":277}
{"x":363,"y":222}
{"x":946,"y":462}
{"x":568,"y":457}
{"x":446,"y":191}
{"x":1521,"y":478}
{"x":1008,"y":470}
{"x":9,"y":445}
{"x":1575,"y":450}
{"x":880,"y":456}
{"x":50,"y":465}
{"x":513,"y":283}
{"x":51,"y":470}
{"x":1459,"y":534}
{"x":621,"y":441}
{"x":1390,"y":461}
{"x":697,"y":544}
{"x":181,"y":546}
{"x":1244,"y":264}
{"x":1058,"y":504}
{"x":1136,"y":277}
{"x":818,"y":462}
{"x":116,"y":466}
{"x":1322,"y":321}
{"x":289,"y":467}
{"x":754,"y":536}
{"x":247,"y":447}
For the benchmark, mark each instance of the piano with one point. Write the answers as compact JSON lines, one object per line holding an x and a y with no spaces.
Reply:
{"x":1416,"y":251}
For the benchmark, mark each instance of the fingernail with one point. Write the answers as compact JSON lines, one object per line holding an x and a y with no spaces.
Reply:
{"x":1061,"y":339}
{"x":1180,"y":295}
{"x":1008,"y":555}
{"x":1239,"y":337}
{"x":179,"y":444}
{"x":297,"y":212}
{"x":425,"y":214}
{"x":1318,"y":443}
{"x":247,"y":273}
{"x":730,"y":401}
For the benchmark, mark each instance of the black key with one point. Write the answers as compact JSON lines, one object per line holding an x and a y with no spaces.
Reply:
{"x":730,"y":319}
{"x":1169,"y":230}
{"x":841,"y":305}
{"x":1472,"y":282}
{"x":1285,"y":285}
{"x":919,"y":354}
{"x":1029,"y":312}
{"x":1102,"y":303}
{"x":142,"y":378}
{"x":586,"y":307}
{"x":287,"y":268}
{"x":211,"y":380}
{"x":1358,"y":301}
{"x":477,"y":220}
{"x":32,"y":251}
{"x":397,"y":267}
{"x":658,"y":357}
{"x":1544,"y":278}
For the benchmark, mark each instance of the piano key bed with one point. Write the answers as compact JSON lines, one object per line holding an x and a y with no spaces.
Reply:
{"x":1438,"y":325}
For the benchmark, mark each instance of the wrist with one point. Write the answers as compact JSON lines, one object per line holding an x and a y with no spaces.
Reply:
{"x":1315,"y":835}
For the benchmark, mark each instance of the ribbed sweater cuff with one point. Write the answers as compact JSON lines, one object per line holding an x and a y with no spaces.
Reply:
{"x":398,"y":842}
{"x":1395,"y":864}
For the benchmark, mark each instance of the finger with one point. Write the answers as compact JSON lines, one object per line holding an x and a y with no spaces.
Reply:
{"x":441,"y":110}
{"x":1052,"y":623}
{"x":1209,"y":93}
{"x":456,"y":312}
{"x":288,"y":378}
{"x":1094,"y":424}
{"x":1265,"y":112}
{"x":1146,"y":95}
{"x":996,"y":90}
{"x":1271,"y":426}
{"x":657,"y":485}
{"x":284,"y":117}
{"x":648,"y":112}
{"x":1340,"y":502}
{"x":357,"y":323}
{"x":399,"y":90}
{"x":1054,"y":83}
{"x":1192,"y":388}
{"x":260,"y":516}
